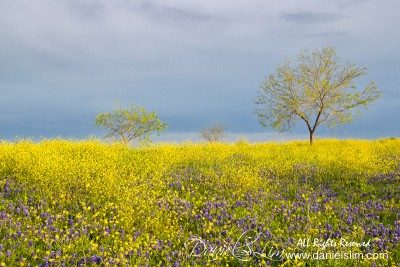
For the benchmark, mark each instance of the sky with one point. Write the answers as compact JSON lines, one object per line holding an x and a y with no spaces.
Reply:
{"x":193,"y":62}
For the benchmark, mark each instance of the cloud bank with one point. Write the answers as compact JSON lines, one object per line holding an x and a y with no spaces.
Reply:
{"x":194,"y":62}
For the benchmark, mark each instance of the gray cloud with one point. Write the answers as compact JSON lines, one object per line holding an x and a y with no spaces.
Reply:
{"x":347,"y":4}
{"x":326,"y":34}
{"x":311,"y":17}
{"x":175,"y":14}
{"x":194,"y":62}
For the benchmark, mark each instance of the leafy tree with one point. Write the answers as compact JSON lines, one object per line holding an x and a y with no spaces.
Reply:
{"x":214,"y":133}
{"x":316,"y":88}
{"x":126,"y":125}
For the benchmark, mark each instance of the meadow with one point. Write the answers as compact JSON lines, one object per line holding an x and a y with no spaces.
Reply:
{"x":87,"y":203}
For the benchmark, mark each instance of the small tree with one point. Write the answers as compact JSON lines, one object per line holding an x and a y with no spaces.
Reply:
{"x":316,"y":88}
{"x":214,"y":133}
{"x":126,"y":125}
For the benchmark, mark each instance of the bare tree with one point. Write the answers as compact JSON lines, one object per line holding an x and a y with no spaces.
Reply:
{"x":215,"y":133}
{"x":316,"y":88}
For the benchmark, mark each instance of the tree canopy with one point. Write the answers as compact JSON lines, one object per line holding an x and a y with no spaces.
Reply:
{"x":317,"y":87}
{"x":128,"y":124}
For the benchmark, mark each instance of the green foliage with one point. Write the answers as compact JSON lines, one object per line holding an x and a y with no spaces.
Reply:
{"x":317,"y":87}
{"x":126,"y":125}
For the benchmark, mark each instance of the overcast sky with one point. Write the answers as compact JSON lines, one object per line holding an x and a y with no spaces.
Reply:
{"x":193,"y":62}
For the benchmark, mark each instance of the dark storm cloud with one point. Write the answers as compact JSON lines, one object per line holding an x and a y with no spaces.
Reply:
{"x":193,"y":62}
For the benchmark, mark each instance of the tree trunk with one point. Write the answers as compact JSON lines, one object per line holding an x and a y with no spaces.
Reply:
{"x":311,"y":137}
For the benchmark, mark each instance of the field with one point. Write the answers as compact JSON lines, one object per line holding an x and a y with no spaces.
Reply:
{"x":70,"y":203}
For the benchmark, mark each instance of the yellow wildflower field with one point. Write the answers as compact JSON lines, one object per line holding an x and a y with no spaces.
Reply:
{"x":87,"y":203}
